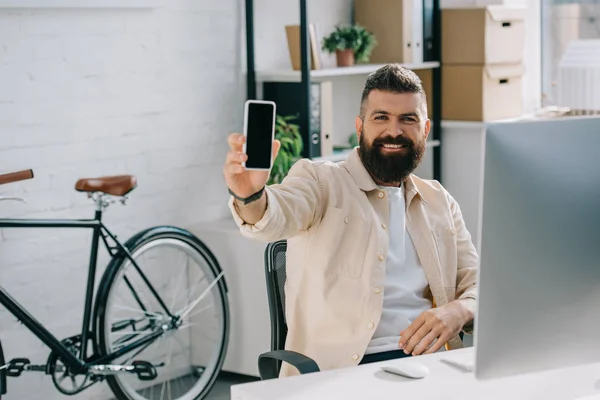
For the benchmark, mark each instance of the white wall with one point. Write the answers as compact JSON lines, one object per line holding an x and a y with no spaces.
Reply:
{"x":105,"y":91}
{"x":532,"y":56}
{"x":270,"y":39}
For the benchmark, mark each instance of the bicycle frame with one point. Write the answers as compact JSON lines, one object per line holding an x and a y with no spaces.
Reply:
{"x":79,"y":365}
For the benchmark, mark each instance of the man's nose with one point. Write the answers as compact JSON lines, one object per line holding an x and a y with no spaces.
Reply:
{"x":395,"y":129}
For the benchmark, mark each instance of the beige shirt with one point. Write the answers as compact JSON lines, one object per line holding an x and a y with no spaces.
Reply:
{"x":335,"y":220}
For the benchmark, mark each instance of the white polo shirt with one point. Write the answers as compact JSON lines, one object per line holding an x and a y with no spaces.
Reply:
{"x":405,"y":280}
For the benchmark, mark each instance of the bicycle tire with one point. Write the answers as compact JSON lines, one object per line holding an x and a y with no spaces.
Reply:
{"x":112,"y":271}
{"x":3,"y":387}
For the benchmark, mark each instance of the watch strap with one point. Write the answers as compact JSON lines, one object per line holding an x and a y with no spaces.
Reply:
{"x":249,"y":199}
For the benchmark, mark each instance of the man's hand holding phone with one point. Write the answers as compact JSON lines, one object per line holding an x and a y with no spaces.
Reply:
{"x":245,"y":183}
{"x":241,"y":181}
{"x":250,"y":159}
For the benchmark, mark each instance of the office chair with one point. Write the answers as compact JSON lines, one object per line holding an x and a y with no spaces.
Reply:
{"x":269,"y":363}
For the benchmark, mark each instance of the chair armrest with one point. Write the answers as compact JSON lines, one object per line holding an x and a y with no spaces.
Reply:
{"x":268,"y":363}
{"x":469,"y":328}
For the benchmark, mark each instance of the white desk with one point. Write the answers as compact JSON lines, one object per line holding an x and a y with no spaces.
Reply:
{"x":443,"y":383}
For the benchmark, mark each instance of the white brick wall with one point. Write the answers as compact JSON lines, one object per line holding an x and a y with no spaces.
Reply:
{"x":107,"y":91}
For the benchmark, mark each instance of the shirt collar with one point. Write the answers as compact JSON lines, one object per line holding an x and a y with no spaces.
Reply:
{"x":363,"y":179}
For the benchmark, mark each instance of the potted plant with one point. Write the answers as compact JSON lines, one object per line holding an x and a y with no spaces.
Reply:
{"x":351,"y":44}
{"x":291,"y":148}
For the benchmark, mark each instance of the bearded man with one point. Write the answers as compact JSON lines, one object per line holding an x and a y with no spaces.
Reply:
{"x":379,"y":262}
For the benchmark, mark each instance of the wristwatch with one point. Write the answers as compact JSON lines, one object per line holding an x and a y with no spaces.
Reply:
{"x":249,"y":199}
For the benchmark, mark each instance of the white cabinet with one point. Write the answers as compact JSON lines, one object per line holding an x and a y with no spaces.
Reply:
{"x":463,"y":161}
{"x":462,"y":168}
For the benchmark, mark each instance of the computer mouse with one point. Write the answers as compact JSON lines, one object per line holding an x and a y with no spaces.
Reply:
{"x":407,"y":369}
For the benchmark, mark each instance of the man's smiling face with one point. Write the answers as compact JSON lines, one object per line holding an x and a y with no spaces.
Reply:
{"x":392,"y":129}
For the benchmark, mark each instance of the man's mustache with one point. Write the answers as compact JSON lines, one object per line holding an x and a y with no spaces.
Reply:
{"x":399,"y":140}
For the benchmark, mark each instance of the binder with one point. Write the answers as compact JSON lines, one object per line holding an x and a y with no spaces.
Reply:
{"x":417,"y":30}
{"x":319,"y":141}
{"x":428,"y":54}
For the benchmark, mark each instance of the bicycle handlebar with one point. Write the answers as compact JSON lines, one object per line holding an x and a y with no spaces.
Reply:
{"x":16,"y":176}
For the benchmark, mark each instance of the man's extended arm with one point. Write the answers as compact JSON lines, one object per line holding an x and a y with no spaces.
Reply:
{"x":284,"y":209}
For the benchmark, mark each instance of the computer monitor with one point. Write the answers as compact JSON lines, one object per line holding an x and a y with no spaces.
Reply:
{"x":539,"y":281}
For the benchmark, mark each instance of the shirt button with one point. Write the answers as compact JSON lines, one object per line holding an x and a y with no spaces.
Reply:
{"x":355,"y":356}
{"x":371,"y":325}
{"x":377,"y":290}
{"x":346,"y":220}
{"x":380,"y":195}
{"x":381,"y":257}
{"x":384,"y":226}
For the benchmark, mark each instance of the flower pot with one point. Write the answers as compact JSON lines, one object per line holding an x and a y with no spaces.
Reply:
{"x":344,"y":58}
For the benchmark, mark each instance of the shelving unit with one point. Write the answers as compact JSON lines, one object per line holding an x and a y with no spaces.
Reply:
{"x":306,"y":75}
{"x":290,"y":75}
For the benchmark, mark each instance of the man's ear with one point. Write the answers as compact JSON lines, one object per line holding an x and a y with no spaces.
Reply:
{"x":359,"y":126}
{"x":427,"y":128}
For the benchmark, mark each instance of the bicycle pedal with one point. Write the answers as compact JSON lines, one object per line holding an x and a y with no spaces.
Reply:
{"x":144,"y":370}
{"x":16,"y":366}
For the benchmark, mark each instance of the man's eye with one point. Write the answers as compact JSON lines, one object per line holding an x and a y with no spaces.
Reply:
{"x":381,"y":117}
{"x":409,"y":119}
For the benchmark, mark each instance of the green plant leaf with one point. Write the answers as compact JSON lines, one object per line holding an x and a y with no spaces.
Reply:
{"x":288,"y":133}
{"x":353,"y":37}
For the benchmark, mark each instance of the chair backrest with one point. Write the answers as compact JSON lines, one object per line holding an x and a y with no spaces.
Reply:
{"x":275,"y":274}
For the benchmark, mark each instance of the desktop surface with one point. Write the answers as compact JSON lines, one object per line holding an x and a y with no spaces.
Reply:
{"x":539,"y":280}
{"x":443,"y":382}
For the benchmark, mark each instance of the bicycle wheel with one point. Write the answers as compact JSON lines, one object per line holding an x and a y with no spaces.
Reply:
{"x":2,"y":373}
{"x":179,"y":294}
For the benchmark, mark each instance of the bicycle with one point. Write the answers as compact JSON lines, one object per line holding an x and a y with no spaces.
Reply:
{"x":134,"y":309}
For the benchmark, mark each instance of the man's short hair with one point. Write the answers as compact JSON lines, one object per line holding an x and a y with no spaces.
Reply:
{"x":396,"y":79}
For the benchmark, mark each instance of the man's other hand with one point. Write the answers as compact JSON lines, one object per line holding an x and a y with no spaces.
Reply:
{"x":433,"y":328}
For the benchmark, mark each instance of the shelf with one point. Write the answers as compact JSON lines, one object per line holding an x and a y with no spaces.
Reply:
{"x":321,"y":74}
{"x":343,"y":154}
{"x":453,"y":124}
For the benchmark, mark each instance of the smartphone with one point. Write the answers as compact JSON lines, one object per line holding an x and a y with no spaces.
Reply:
{"x":259,"y":129}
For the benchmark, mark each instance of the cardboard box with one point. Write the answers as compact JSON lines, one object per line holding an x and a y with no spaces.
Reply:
{"x":391,"y":22}
{"x":481,"y":92}
{"x":483,"y":35}
{"x":293,"y":38}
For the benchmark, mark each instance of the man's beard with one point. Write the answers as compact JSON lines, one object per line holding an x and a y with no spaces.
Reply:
{"x":393,"y":167}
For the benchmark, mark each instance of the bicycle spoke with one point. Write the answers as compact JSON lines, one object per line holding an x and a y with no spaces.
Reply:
{"x":147,"y":313}
{"x":182,"y":314}
{"x":200,"y":311}
{"x":135,"y":333}
{"x":128,"y":360}
{"x":182,"y":274}
{"x":189,"y":291}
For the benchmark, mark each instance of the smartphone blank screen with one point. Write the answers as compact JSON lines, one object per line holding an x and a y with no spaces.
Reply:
{"x":259,"y":135}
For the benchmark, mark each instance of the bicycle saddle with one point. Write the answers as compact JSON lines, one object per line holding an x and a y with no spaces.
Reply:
{"x":118,"y":185}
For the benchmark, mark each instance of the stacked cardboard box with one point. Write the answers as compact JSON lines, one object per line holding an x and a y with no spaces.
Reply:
{"x":403,"y":30}
{"x":482,"y":63}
